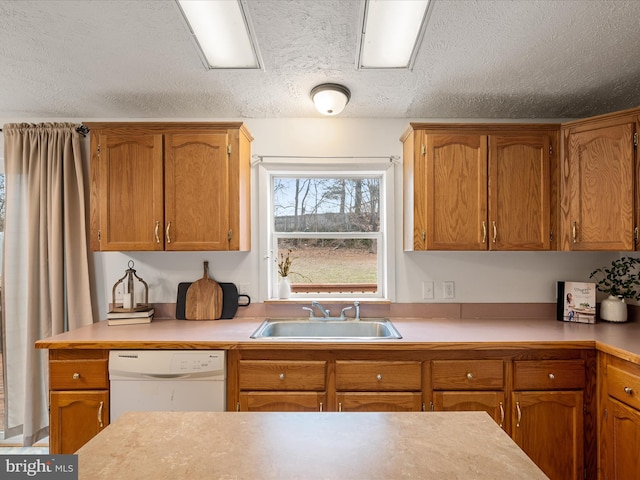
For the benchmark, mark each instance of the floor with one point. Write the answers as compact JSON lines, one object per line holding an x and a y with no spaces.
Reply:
{"x":12,"y":446}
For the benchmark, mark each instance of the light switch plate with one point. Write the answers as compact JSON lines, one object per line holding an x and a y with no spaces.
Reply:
{"x":427,"y":290}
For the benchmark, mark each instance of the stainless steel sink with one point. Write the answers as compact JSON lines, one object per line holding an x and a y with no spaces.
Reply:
{"x":330,"y":329}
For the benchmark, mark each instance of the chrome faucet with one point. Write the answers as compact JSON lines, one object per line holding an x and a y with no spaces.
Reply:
{"x":357,"y":305}
{"x":342,"y":315}
{"x":324,"y":311}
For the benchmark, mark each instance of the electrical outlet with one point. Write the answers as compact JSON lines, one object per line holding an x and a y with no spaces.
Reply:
{"x":427,"y":290}
{"x":449,"y":289}
{"x":243,"y":288}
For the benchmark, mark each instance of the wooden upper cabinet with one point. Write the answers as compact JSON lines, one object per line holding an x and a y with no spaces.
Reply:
{"x":131,"y":205}
{"x":196,"y":192}
{"x":163,"y":186}
{"x":519,"y":192}
{"x":598,"y":181}
{"x":455,"y":192}
{"x":479,"y":187}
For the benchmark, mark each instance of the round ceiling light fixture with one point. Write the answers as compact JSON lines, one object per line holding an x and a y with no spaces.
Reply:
{"x":330,"y":98}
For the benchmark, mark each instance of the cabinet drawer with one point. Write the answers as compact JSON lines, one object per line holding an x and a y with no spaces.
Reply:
{"x":548,"y":375}
{"x":467,"y":374}
{"x":624,"y":386}
{"x":282,"y":375}
{"x":78,"y":374}
{"x":378,"y":376}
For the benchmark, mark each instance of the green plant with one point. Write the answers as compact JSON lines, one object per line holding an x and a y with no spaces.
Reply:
{"x":620,"y":279}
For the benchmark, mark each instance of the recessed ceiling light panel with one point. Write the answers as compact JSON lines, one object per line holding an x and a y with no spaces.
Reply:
{"x":391,"y":33}
{"x":222,"y":32}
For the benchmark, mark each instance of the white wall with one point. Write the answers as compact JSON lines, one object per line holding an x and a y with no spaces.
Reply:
{"x":478,"y":276}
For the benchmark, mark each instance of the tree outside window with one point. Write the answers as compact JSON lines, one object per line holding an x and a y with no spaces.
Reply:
{"x":331,"y":227}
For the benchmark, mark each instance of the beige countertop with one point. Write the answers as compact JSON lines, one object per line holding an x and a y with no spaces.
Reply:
{"x":622,"y":340}
{"x":225,"y":445}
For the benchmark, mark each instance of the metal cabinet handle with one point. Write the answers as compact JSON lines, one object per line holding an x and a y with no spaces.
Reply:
{"x":156,"y":231}
{"x":379,"y":377}
{"x":552,"y":376}
{"x":495,"y":232}
{"x":237,"y":406}
{"x":628,"y":390}
{"x":339,"y":406}
{"x":320,"y":407}
{"x":167,"y":232}
{"x":424,"y":235}
{"x":470,"y":376}
{"x":519,"y":414}
{"x":501,"y":414}
{"x":484,"y":232}
{"x":282,"y":376}
{"x":76,"y":376}
{"x":100,"y":414}
{"x":574,"y":231}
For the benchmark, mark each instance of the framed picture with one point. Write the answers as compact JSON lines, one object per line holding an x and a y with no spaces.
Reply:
{"x":577,"y":302}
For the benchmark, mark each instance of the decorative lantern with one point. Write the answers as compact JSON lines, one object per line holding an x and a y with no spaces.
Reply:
{"x":132,"y":283}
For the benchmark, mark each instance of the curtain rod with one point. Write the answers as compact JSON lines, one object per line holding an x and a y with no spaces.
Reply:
{"x":82,"y":129}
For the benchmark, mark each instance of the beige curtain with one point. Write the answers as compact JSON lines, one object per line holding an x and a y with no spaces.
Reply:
{"x":46,"y":272}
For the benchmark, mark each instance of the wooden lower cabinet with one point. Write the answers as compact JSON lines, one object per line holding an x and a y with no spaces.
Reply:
{"x":379,"y":402}
{"x":378,"y":386}
{"x":620,"y":419}
{"x":282,"y":402}
{"x":490,"y":402}
{"x":623,"y":441}
{"x":282,"y":385}
{"x":549,"y":427}
{"x":78,"y":398}
{"x":76,"y":417}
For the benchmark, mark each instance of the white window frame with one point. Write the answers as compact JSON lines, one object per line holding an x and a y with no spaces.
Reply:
{"x":271,"y":167}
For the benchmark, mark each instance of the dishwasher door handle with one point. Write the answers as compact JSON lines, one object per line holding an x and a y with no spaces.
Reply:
{"x":163,"y":376}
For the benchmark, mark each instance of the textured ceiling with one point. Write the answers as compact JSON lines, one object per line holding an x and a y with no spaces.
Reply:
{"x":478,"y":59}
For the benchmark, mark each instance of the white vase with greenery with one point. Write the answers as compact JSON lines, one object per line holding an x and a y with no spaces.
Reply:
{"x":284,"y":288}
{"x":619,"y":281}
{"x":613,"y":309}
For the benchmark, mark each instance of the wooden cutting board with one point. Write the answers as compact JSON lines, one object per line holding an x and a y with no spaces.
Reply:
{"x":204,"y":298}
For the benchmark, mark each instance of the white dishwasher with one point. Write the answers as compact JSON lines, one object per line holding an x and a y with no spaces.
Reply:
{"x":167,"y":380}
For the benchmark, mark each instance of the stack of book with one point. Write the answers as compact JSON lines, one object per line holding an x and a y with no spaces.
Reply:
{"x":129,"y":318}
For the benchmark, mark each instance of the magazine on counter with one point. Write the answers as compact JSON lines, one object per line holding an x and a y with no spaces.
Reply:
{"x":577,"y":302}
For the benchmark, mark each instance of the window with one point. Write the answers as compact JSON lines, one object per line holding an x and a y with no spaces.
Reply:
{"x":333,"y":224}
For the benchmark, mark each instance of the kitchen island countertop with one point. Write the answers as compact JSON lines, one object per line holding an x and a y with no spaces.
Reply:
{"x":223,"y":445}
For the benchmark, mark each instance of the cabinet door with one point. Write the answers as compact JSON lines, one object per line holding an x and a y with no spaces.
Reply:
{"x":76,"y":417}
{"x":282,"y":402}
{"x":379,"y":402}
{"x":548,"y":426}
{"x":622,"y":442}
{"x":196,"y":192}
{"x":490,"y":402}
{"x":519,"y":183}
{"x":455,"y":192}
{"x":131,"y":200}
{"x":601,"y":173}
